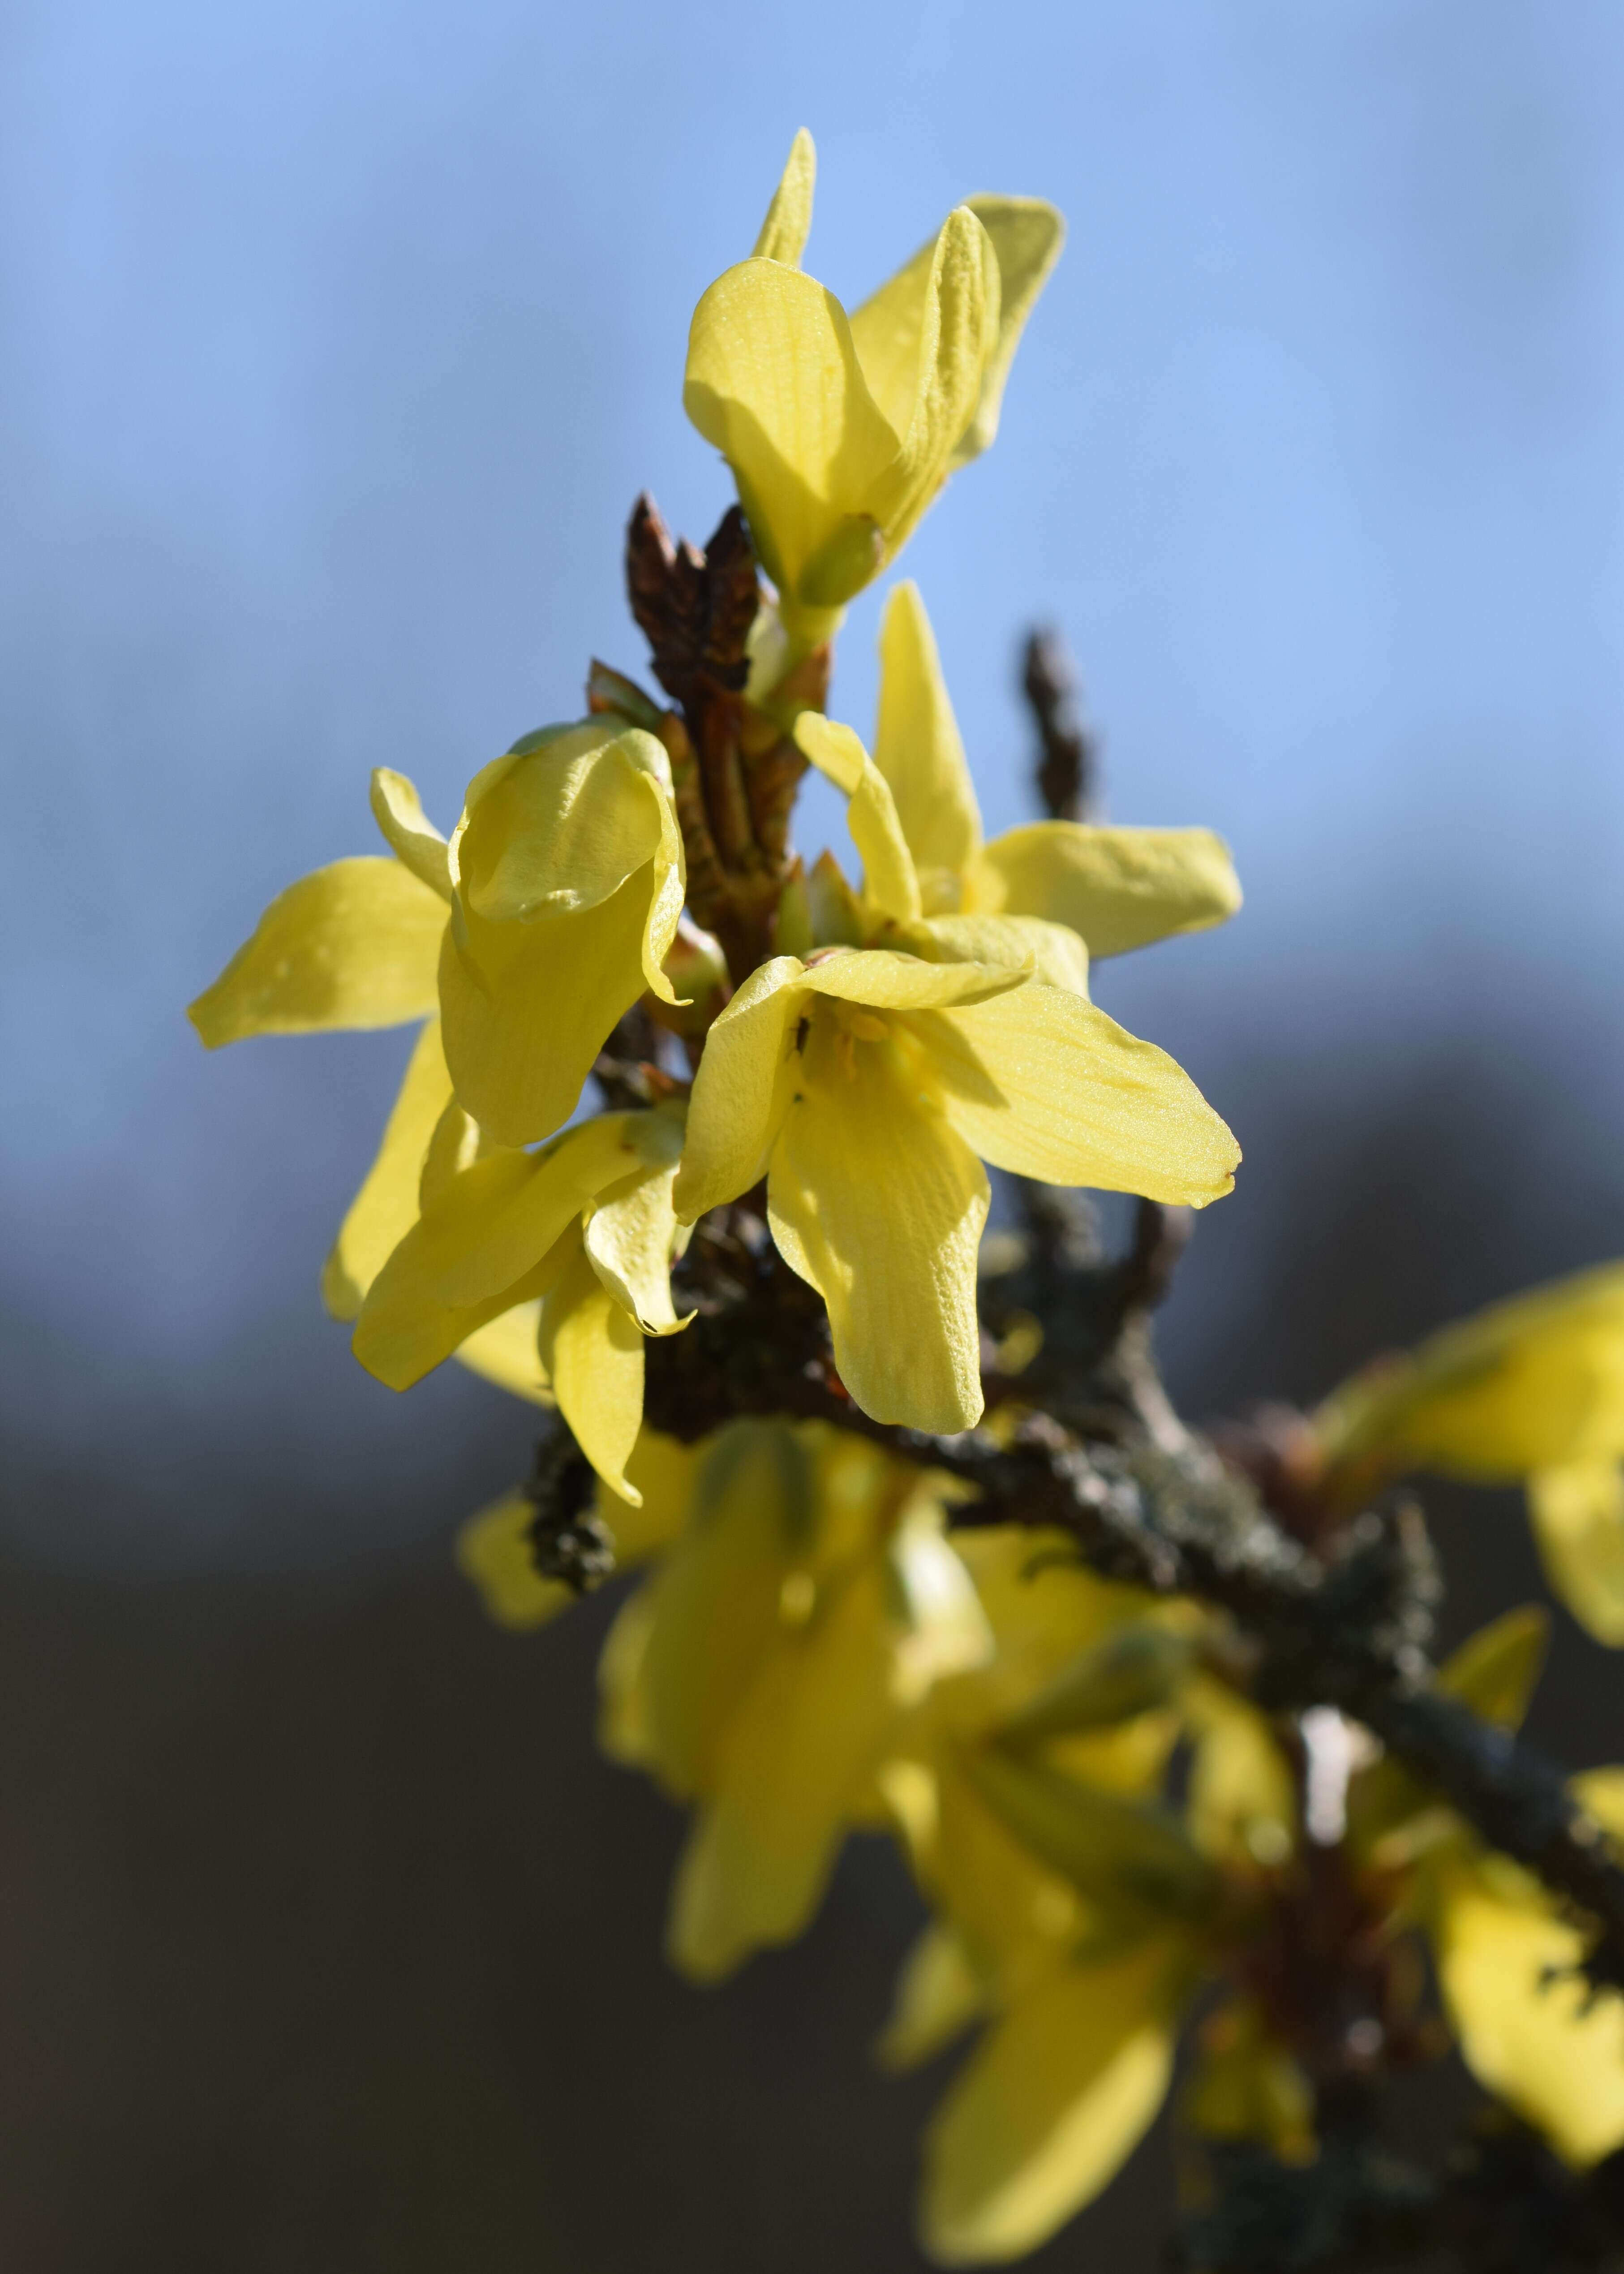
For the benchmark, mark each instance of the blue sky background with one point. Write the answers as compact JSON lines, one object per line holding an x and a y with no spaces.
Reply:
{"x":338,"y":340}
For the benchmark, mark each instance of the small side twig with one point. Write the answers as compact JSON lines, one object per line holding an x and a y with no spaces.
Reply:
{"x":1068,"y":761}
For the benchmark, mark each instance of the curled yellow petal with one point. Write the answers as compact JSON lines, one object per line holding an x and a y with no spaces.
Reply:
{"x":630,"y":1233}
{"x":1026,"y":236}
{"x":593,"y":1355}
{"x":526,"y":1007}
{"x":354,"y":944}
{"x":412,"y":837}
{"x":561,"y":821}
{"x":888,"y":878}
{"x":782,"y":236}
{"x":958,"y":338}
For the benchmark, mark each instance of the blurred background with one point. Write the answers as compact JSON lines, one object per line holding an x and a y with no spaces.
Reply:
{"x":338,"y":339}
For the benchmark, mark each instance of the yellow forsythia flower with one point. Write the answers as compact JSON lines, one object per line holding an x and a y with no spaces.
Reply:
{"x":1062,"y":1912}
{"x":808,"y":1599}
{"x":840,"y":431}
{"x":358,"y":945}
{"x":1531,"y":1391}
{"x":865,"y":1081}
{"x":1119,"y":888}
{"x":584,"y":1229}
{"x":567,"y":880}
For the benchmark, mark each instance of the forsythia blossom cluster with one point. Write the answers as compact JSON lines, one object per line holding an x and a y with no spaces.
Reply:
{"x":810,"y":1652}
{"x":933,"y":1019}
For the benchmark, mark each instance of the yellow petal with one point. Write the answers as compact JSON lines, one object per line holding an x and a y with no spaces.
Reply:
{"x":526,"y":1007}
{"x":886,"y":981}
{"x":877,"y":1204}
{"x":946,"y":1630}
{"x":958,"y":338}
{"x":1119,"y":888}
{"x":1040,"y":1083}
{"x":354,"y":945}
{"x":477,"y":1247}
{"x":1242,"y":1805}
{"x":1528,"y":2036}
{"x":742,"y":1089}
{"x":917,"y":745}
{"x":789,"y":217}
{"x":1494,"y":1670}
{"x":412,"y":837}
{"x":897,"y":330}
{"x":626,"y":1731}
{"x":938,"y":1995}
{"x":715,"y":1606}
{"x":500,"y":1216}
{"x":385,"y":1208}
{"x":505,"y":1352}
{"x":889,"y":879}
{"x":493,"y":1551}
{"x":1026,"y":236}
{"x":1050,"y":952}
{"x":593,"y":1357}
{"x":561,"y":821}
{"x":1049,"y":2106}
{"x":773,"y":382}
{"x":456,"y":1143}
{"x":1578,"y":1515}
{"x":792,"y":1757}
{"x":665,"y":1473}
{"x":630,"y":1234}
{"x":1533,"y":1383}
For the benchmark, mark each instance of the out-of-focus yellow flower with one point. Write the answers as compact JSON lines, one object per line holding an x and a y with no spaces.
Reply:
{"x":1067,"y":1912}
{"x":583,"y":1228}
{"x":840,"y":431}
{"x":1119,"y":888}
{"x":358,"y":945}
{"x":864,"y":1082}
{"x":566,"y":878}
{"x":1529,"y":2029}
{"x":1531,"y":1391}
{"x":808,"y":1600}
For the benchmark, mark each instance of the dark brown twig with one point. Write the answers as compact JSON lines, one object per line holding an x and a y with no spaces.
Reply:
{"x":1068,"y":762}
